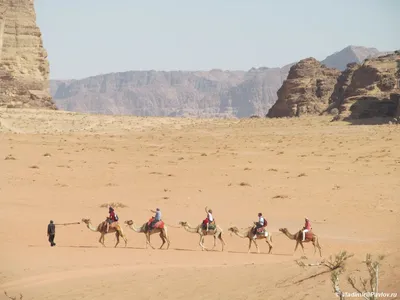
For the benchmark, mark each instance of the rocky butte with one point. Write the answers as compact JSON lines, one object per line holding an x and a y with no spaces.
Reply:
{"x":24,"y":68}
{"x":370,"y":89}
{"x":306,"y":90}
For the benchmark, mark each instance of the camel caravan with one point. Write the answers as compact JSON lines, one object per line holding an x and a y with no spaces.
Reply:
{"x":207,"y":228}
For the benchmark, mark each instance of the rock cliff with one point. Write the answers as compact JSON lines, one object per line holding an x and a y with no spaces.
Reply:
{"x":364,"y":90}
{"x":306,"y":90}
{"x":24,"y":69}
{"x":214,"y":93}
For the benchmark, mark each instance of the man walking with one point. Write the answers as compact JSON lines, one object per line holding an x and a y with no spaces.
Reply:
{"x":51,"y":232}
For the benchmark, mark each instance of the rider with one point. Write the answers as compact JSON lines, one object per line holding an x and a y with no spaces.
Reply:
{"x":209,"y":219}
{"x":156,"y":218}
{"x":111,"y":218}
{"x":261,"y":223}
{"x":306,"y":228}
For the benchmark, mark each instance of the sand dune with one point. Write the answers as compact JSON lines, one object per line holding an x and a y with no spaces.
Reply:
{"x":65,"y":166}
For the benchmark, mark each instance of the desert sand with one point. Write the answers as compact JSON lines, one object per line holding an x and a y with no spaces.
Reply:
{"x":66,"y":166}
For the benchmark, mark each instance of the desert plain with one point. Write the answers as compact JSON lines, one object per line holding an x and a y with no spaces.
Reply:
{"x":65,"y":166}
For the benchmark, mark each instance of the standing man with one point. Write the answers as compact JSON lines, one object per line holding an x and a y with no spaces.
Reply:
{"x":51,"y":232}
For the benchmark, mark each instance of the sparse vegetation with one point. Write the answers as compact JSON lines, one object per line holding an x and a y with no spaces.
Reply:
{"x":13,"y":298}
{"x":244,"y":184}
{"x":337,"y":266}
{"x":114,"y":205}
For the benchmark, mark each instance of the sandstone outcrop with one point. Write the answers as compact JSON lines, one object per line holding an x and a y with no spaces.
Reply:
{"x":24,"y":68}
{"x":306,"y":90}
{"x":364,"y":90}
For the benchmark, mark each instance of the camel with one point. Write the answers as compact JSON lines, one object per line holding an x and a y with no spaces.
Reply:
{"x":162,"y":231}
{"x":298,"y":237}
{"x":248,"y":233}
{"x":217,"y":232}
{"x":114,"y":227}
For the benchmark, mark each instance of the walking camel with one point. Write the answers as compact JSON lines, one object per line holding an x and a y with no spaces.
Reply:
{"x":248,"y":233}
{"x":161,"y":229}
{"x":216,"y":232}
{"x":298,"y":237}
{"x":114,"y":227}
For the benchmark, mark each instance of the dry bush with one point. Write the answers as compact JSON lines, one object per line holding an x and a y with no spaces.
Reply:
{"x":114,"y":205}
{"x":336,"y":266}
{"x":13,"y":298}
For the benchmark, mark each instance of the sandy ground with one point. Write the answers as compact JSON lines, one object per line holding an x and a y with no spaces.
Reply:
{"x":65,"y":166}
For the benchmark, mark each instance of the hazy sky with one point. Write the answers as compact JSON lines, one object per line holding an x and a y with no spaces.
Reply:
{"x":90,"y":37}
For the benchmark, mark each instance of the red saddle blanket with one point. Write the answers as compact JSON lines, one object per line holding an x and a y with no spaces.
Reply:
{"x":160,"y":224}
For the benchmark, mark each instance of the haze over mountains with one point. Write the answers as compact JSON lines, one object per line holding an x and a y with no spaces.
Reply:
{"x":214,"y":93}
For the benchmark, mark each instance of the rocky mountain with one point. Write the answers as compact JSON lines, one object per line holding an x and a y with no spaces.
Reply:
{"x":306,"y":90}
{"x":24,"y":68}
{"x":369,"y":89}
{"x":350,"y":54}
{"x":214,"y":93}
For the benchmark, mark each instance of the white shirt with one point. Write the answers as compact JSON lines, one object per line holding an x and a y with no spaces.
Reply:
{"x":210,"y":217}
{"x":261,"y":220}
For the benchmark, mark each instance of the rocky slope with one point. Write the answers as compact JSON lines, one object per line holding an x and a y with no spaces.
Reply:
{"x":306,"y":90}
{"x":368,"y":89}
{"x":24,"y":69}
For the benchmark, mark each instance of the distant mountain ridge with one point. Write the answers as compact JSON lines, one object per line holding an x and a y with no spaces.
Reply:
{"x":214,"y":93}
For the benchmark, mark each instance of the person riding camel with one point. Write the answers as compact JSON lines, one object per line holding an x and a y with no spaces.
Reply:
{"x":209,"y":219}
{"x":261,"y":223}
{"x":113,"y":217}
{"x":156,"y":218}
{"x":306,"y":228}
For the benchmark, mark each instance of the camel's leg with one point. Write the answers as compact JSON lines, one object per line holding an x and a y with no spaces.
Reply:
{"x":148,"y":239}
{"x":202,"y":243}
{"x":269,"y":242}
{"x":215,"y":242}
{"x":125,"y":240}
{"x":318,"y":246}
{"x":162,"y":239}
{"x":295,"y":248}
{"x":117,"y":236}
{"x":255,"y":243}
{"x":222,"y":241}
{"x":250,"y":241}
{"x":302,"y":247}
{"x":101,"y":240}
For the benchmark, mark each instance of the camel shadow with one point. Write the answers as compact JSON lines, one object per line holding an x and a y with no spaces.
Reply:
{"x":261,"y":253}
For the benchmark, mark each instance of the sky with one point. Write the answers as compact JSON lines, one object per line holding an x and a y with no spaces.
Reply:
{"x":90,"y":37}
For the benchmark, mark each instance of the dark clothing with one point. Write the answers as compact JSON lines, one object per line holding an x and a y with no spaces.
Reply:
{"x":51,"y":239}
{"x":51,"y":229}
{"x":51,"y":232}
{"x":113,"y":216}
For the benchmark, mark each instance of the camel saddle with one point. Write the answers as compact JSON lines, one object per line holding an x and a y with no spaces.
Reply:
{"x":160,"y":224}
{"x":308,"y":237}
{"x":260,"y":230}
{"x":112,"y":225}
{"x":211,"y":226}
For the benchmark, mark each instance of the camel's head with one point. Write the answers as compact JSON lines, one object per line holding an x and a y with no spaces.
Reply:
{"x":86,"y":221}
{"x":182,"y":223}
{"x":284,"y":230}
{"x":233,"y":229}
{"x":129,"y":222}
